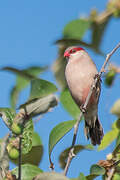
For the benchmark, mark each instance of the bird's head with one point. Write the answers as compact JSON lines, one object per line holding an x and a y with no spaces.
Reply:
{"x":71,"y":51}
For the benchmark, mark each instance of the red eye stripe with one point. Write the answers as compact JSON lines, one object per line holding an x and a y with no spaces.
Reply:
{"x":72,"y":50}
{"x":75,"y":49}
{"x":78,"y":48}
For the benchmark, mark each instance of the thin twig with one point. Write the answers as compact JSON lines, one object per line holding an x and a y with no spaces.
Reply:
{"x":20,"y":158}
{"x":116,"y":163}
{"x":97,"y":78}
{"x":4,"y":159}
{"x":71,"y":153}
{"x":111,"y":173}
{"x":112,"y":170}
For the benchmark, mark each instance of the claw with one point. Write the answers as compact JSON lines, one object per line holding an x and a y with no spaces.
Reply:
{"x":82,"y":108}
{"x":97,"y":76}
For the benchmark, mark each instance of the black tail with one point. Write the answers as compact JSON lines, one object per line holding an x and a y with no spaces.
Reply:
{"x":94,"y":132}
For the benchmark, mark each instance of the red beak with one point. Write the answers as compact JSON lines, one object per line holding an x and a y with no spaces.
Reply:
{"x":66,"y":54}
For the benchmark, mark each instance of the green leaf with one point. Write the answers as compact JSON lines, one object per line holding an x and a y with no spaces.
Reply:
{"x":108,"y":138}
{"x":7,"y":115}
{"x":98,"y":30}
{"x":36,"y":140}
{"x":34,"y":156}
{"x":77,"y":148}
{"x":51,"y":176}
{"x":76,"y":28}
{"x":97,"y":170}
{"x":23,"y":79}
{"x":116,"y":176}
{"x":29,"y":74}
{"x":58,"y":132}
{"x":118,"y":140}
{"x":116,"y":108}
{"x":41,"y":88}
{"x":109,"y":77}
{"x":17,"y":72}
{"x":59,"y":67}
{"x":28,"y":171}
{"x":64,"y":42}
{"x":27,"y":137}
{"x":35,"y":70}
{"x":117,"y":147}
{"x":91,"y":177}
{"x":116,"y":124}
{"x":13,"y":97}
{"x":81,"y":177}
{"x":69,"y":104}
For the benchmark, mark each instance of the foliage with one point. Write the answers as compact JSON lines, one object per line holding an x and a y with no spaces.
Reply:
{"x":42,"y":98}
{"x":58,"y":132}
{"x":69,"y":104}
{"x":28,"y":171}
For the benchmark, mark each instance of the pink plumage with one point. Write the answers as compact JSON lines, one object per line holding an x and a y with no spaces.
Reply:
{"x":80,"y":72}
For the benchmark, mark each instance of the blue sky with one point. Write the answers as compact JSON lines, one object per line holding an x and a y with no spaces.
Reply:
{"x":28,"y":30}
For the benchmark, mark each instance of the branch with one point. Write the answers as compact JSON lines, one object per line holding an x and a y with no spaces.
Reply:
{"x":111,"y":173}
{"x":97,"y":78}
{"x":112,"y":170}
{"x":20,"y":158}
{"x":4,"y":159}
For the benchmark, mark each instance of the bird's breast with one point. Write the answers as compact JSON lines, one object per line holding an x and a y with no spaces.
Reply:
{"x":79,"y":77}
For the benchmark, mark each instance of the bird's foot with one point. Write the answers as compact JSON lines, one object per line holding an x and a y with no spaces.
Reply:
{"x":98,"y":79}
{"x":97,"y":76}
{"x":82,"y":108}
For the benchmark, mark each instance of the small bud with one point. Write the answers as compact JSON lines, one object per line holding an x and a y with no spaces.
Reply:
{"x":116,"y":108}
{"x":109,"y":156}
{"x":9,"y":147}
{"x":13,"y":153}
{"x":16,"y":128}
{"x":110,"y":76}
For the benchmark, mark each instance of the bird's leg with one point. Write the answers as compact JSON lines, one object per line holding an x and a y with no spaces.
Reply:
{"x":97,"y":76}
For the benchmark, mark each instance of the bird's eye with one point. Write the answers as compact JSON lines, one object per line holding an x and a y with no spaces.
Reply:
{"x":72,"y":51}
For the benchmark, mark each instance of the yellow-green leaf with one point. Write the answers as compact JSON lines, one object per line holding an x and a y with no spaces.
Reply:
{"x":109,"y":77}
{"x":58,"y":132}
{"x":108,"y":138}
{"x":116,"y":108}
{"x":34,"y":156}
{"x":97,"y":170}
{"x":41,"y":88}
{"x":7,"y":115}
{"x":69,"y":104}
{"x":76,"y":28}
{"x":28,"y":171}
{"x":116,"y":176}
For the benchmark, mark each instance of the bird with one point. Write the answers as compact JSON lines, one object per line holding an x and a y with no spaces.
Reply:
{"x":80,"y":73}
